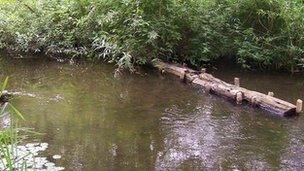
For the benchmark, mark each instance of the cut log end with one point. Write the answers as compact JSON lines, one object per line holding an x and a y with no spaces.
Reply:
{"x":299,"y":106}
{"x":239,"y":97}
{"x":182,"y":76}
{"x":162,"y":71}
{"x":237,"y":82}
{"x":270,"y":94}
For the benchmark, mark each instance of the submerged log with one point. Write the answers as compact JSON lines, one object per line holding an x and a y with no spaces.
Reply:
{"x":234,"y":92}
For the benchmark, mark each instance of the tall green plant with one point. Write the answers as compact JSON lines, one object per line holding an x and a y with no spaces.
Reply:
{"x":9,"y":136}
{"x":263,"y":34}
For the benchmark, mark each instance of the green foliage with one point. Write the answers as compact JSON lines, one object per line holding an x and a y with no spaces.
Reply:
{"x":6,"y":106}
{"x":267,"y":34}
{"x":9,"y":136}
{"x":4,"y":84}
{"x":270,"y":33}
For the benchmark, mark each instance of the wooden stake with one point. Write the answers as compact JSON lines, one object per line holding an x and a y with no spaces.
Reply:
{"x":254,"y":100}
{"x":236,"y":81}
{"x":299,"y":106}
{"x":163,"y":71}
{"x":182,"y":76}
{"x":239,"y":97}
{"x":270,"y":94}
{"x":221,"y":88}
{"x":203,"y":70}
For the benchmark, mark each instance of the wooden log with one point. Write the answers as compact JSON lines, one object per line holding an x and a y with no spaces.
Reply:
{"x":270,"y":94}
{"x":299,"y":106}
{"x":237,"y":82}
{"x":235,"y":92}
{"x":239,"y":97}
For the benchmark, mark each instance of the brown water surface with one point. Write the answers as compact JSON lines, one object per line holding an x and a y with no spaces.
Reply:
{"x":150,"y":122}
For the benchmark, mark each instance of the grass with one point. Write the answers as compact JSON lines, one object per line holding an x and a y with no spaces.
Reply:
{"x":9,"y":136}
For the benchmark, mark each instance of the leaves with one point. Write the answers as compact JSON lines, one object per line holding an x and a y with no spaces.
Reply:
{"x":263,"y":33}
{"x":4,"y":84}
{"x":16,"y":111}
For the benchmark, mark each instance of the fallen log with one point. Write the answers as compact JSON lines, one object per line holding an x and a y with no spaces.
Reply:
{"x":234,"y":92}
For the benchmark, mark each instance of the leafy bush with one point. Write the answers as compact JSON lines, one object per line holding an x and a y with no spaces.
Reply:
{"x":266,"y":34}
{"x":270,"y":33}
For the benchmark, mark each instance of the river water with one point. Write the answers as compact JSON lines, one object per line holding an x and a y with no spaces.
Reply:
{"x":147,"y":121}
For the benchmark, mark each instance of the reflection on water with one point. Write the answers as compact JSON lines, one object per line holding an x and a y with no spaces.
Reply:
{"x":189,"y":137}
{"x":148,"y":122}
{"x":293,"y":153}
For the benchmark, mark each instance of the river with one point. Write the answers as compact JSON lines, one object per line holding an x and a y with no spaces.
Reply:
{"x":147,"y":121}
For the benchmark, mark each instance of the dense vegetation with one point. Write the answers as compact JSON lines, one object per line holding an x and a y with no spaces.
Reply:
{"x":264,"y":34}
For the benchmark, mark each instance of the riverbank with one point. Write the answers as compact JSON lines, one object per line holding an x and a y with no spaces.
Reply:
{"x":262,"y":35}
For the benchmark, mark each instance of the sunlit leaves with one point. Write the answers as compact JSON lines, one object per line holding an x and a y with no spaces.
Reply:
{"x":262,"y":33}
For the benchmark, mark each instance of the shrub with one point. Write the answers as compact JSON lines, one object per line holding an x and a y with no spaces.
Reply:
{"x":270,"y":33}
{"x":265,"y":34}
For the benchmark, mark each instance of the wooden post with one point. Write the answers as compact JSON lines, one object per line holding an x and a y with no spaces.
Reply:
{"x":163,"y":71}
{"x":239,"y":97}
{"x":203,"y":71}
{"x":254,"y":100}
{"x":236,"y":81}
{"x":299,"y":106}
{"x":182,"y":76}
{"x":201,"y":75}
{"x":270,"y":94}
{"x":222,"y":88}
